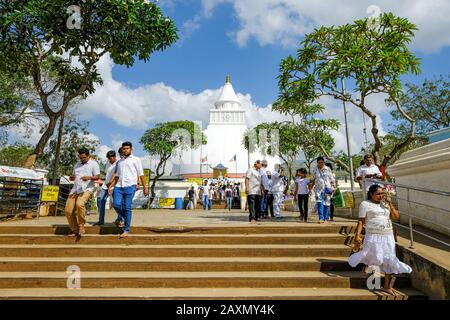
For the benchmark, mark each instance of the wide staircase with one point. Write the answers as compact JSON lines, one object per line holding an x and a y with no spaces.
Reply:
{"x":225,"y":262}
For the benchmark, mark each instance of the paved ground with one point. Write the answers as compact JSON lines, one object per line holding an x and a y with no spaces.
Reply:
{"x":170,"y":217}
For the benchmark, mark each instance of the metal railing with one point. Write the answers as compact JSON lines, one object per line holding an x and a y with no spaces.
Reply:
{"x":396,"y":198}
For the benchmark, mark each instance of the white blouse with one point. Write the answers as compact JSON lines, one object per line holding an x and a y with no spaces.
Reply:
{"x":377,"y":217}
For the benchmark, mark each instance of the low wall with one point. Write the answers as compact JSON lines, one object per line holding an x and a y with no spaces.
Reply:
{"x":426,"y":167}
{"x":428,"y":277}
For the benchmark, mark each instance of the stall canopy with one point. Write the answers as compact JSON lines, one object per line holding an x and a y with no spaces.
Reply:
{"x":21,"y":173}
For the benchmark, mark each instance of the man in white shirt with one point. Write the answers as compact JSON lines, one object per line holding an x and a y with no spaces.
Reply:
{"x":205,"y":195}
{"x":104,"y":194}
{"x":124,"y":185}
{"x":368,"y":171}
{"x":266,"y":188}
{"x":277,"y":190}
{"x":253,"y":190}
{"x":84,"y":174}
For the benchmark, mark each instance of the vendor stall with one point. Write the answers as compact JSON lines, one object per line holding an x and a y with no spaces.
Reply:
{"x":20,"y":191}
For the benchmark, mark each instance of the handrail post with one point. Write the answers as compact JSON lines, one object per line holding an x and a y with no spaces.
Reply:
{"x":411,"y":246}
{"x":411,"y":231}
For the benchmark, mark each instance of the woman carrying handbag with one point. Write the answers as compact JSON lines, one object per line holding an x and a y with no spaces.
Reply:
{"x":378,"y":249}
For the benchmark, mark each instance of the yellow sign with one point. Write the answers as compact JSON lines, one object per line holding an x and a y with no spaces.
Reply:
{"x":147,"y":173}
{"x":50,"y":194}
{"x":349,"y":200}
{"x":166,"y":202}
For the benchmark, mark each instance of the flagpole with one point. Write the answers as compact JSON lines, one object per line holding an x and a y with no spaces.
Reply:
{"x":235,"y":159}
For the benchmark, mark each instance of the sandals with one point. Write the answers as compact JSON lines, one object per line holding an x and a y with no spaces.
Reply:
{"x":81,"y":230}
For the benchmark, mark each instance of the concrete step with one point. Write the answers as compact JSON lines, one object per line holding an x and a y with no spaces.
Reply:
{"x":125,"y":250}
{"x":31,"y":239}
{"x":286,"y":279}
{"x":210,"y":294}
{"x":260,"y":228}
{"x":184,"y":264}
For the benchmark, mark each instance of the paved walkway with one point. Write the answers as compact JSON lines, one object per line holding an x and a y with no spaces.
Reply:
{"x":171,"y":217}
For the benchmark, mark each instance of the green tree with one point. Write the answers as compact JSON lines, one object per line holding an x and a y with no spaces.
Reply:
{"x":370,"y":56}
{"x":165,"y":139}
{"x":14,"y":155}
{"x":313,"y":133}
{"x":428,"y":103}
{"x":75,"y":136}
{"x":42,"y":42}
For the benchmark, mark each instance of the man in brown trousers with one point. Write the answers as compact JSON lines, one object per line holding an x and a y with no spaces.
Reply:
{"x":86,"y":171}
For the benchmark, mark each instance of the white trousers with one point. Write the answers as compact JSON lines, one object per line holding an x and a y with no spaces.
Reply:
{"x":277,"y":201}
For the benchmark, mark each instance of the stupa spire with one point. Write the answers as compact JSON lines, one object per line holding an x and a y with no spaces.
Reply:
{"x":228,"y":80}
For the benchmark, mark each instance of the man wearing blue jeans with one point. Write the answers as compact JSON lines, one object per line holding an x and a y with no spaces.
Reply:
{"x":124,"y":185}
{"x":205,"y":195}
{"x":324,"y":183}
{"x":101,"y":200}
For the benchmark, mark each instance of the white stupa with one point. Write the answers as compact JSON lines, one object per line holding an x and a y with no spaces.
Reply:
{"x":225,"y":133}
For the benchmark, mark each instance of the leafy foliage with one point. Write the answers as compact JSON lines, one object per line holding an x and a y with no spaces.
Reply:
{"x":75,"y":136}
{"x":428,"y":103}
{"x":164,"y":139}
{"x":372,"y":57}
{"x":14,"y":155}
{"x":37,"y":44}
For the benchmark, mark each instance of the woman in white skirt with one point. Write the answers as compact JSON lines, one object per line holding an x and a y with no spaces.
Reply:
{"x":378,"y":252}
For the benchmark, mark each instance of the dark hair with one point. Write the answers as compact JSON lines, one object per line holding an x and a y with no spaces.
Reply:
{"x":127,"y":144}
{"x":320,"y":158}
{"x":110,"y":154}
{"x":120,"y":151}
{"x":83,"y":151}
{"x":367,"y":156}
{"x":329,"y":165}
{"x":302,"y":170}
{"x":361,"y":162}
{"x":373,"y":188}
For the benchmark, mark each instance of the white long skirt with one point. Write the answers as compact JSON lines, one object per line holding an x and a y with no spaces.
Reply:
{"x":378,"y":252}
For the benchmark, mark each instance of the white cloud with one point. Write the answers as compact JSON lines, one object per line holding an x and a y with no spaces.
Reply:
{"x":139,"y":107}
{"x":284,"y":22}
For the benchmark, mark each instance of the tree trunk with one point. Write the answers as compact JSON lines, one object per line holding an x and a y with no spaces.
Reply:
{"x":39,"y":149}
{"x":161,"y":164}
{"x":58,"y":149}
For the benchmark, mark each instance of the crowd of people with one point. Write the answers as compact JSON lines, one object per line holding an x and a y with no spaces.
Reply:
{"x":214,"y":190}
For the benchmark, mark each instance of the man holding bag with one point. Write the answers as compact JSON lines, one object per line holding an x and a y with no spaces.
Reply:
{"x":324,"y":182}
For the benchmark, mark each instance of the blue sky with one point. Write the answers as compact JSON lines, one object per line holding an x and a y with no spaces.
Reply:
{"x":211,"y":47}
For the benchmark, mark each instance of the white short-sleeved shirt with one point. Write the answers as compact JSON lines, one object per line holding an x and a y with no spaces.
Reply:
{"x":377,"y":217}
{"x":205,"y":190}
{"x":277,"y":183}
{"x":302,"y":185}
{"x":110,"y":169}
{"x":89,"y":169}
{"x":129,"y":170}
{"x":323,"y":178}
{"x":254,"y":181}
{"x":364,"y":170}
